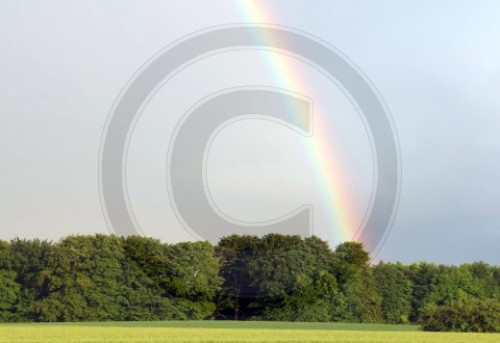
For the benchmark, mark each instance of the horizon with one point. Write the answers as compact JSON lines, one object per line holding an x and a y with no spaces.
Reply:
{"x":64,"y":67}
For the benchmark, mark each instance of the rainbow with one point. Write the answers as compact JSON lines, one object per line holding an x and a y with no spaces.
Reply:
{"x":322,"y":152}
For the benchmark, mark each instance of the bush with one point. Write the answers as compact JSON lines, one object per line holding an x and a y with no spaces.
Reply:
{"x":469,"y":316}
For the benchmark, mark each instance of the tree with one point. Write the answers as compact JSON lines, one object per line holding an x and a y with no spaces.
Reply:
{"x":185,"y":275}
{"x":277,"y":277}
{"x":28,"y":261}
{"x":236,"y":253}
{"x":193,"y":278}
{"x":274,"y":277}
{"x":143,"y":297}
{"x":360,"y":300}
{"x":9,"y":288}
{"x":302,"y":269}
{"x":486,"y":278}
{"x":396,"y":290}
{"x":424,"y":277}
{"x":81,"y":280}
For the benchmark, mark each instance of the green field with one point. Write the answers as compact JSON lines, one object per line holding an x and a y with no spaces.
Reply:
{"x":222,"y":331}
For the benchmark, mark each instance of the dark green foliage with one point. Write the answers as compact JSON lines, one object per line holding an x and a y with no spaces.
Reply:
{"x":28,"y":261}
{"x":10,"y":290}
{"x":468,"y":316}
{"x":275,"y":277}
{"x":424,"y":277}
{"x":101,"y":278}
{"x":396,"y":290}
{"x":294,"y":279}
{"x":359,"y":300}
{"x":236,"y":254}
{"x":192,"y":278}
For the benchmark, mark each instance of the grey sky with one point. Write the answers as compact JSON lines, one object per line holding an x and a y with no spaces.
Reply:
{"x":437,"y":65}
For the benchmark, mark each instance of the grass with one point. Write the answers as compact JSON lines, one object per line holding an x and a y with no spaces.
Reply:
{"x":223,"y":331}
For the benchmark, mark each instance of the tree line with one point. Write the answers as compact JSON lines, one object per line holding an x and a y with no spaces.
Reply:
{"x":274,"y":277}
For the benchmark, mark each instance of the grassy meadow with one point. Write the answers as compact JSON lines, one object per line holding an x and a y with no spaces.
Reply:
{"x":224,"y":331}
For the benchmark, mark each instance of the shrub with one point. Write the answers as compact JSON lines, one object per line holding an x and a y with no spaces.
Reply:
{"x":469,"y":316}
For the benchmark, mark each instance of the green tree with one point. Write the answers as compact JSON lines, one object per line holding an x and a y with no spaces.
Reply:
{"x":143,"y":298}
{"x":424,"y":277}
{"x":360,"y":300}
{"x":396,"y":290}
{"x":9,"y":288}
{"x":185,"y":276}
{"x":235,"y":253}
{"x":81,"y":280}
{"x":286,"y":274}
{"x":28,"y":260}
{"x":277,"y":277}
{"x":486,"y":278}
{"x":193,"y":278}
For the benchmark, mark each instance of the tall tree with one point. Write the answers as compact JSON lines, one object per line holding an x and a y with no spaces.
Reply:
{"x":193,"y":278}
{"x":424,"y":277}
{"x":9,"y":288}
{"x":361,"y":301}
{"x":396,"y":291}
{"x":236,"y":253}
{"x":28,"y":260}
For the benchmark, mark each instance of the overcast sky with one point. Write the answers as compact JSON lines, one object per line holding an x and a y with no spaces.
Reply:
{"x":436,"y":64}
